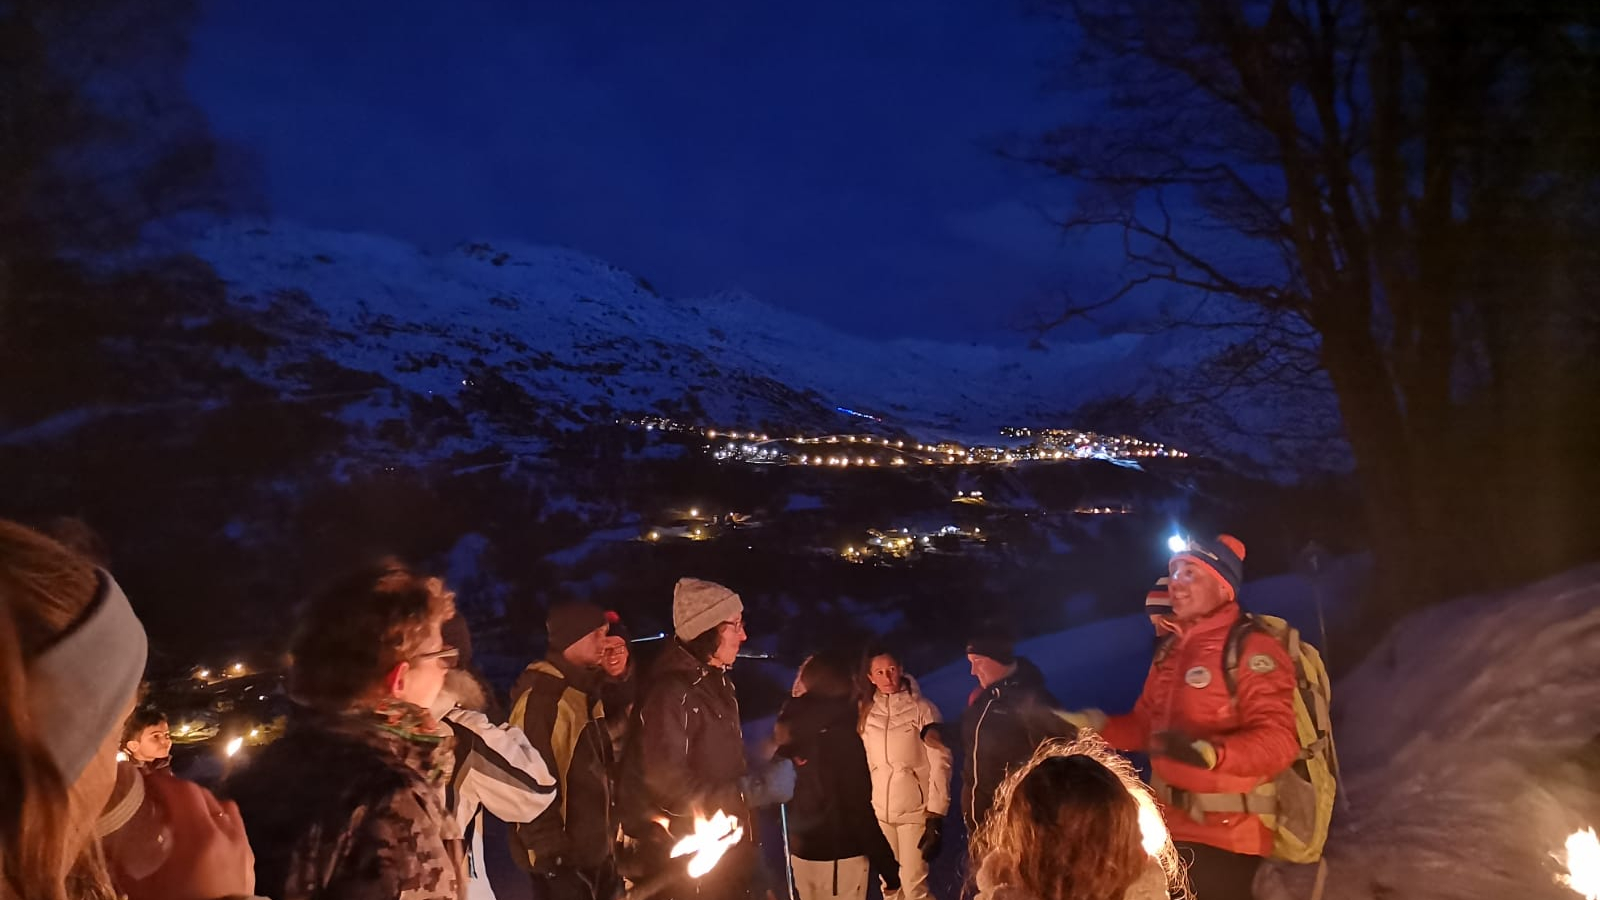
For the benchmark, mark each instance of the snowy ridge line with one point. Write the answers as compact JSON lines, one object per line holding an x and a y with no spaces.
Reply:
{"x":576,"y":334}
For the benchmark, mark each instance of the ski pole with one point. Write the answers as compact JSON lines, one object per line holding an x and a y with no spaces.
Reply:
{"x":788,"y":861}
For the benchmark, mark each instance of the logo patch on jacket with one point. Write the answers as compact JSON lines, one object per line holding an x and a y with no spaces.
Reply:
{"x":1197,"y":677}
{"x":1262,"y":664}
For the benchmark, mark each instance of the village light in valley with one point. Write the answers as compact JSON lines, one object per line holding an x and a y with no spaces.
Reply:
{"x":1583,"y":864}
{"x":712,"y":838}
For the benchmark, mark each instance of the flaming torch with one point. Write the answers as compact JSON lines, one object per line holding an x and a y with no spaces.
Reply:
{"x":1583,"y":864}
{"x":712,"y":838}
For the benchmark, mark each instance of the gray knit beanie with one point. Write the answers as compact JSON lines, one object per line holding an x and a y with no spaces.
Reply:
{"x":699,"y":606}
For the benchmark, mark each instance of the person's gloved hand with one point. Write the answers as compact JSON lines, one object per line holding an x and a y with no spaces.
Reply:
{"x":563,"y":883}
{"x":932,"y":840}
{"x":1183,"y":748}
{"x":1091,"y":719}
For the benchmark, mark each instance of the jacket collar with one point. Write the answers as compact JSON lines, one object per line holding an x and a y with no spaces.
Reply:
{"x":909,"y":691}
{"x":392,"y":728}
{"x":1220,"y":619}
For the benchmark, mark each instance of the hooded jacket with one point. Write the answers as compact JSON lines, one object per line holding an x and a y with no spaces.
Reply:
{"x":831,"y":814}
{"x":560,"y":712}
{"x":910,"y":777}
{"x":1254,"y":735}
{"x":350,"y":806}
{"x":687,"y":752}
{"x":1000,"y":730}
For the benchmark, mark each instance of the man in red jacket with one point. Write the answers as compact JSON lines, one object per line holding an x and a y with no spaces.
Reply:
{"x":1211,"y":750}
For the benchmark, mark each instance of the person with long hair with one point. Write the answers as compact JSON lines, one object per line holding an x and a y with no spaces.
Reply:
{"x":834,"y":836}
{"x":1074,"y":823}
{"x":71,"y":656}
{"x":910,"y":767}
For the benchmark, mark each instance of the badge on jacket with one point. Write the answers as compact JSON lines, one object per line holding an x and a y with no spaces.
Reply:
{"x":1197,"y":677}
{"x":1261,"y":664}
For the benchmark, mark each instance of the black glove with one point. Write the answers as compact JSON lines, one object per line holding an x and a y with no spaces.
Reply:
{"x":563,"y":883}
{"x":932,"y":838}
{"x":1183,"y":748}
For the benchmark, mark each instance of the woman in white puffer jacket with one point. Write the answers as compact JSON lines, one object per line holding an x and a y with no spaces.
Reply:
{"x":910,"y":767}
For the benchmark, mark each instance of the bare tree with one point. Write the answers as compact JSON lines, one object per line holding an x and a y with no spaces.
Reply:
{"x":99,"y":139}
{"x":1397,"y":197}
{"x":98,"y":136}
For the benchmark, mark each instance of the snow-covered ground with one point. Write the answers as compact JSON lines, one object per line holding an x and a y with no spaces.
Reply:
{"x":1460,"y":738}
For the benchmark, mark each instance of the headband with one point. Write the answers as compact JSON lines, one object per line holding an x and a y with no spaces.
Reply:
{"x":79,"y":689}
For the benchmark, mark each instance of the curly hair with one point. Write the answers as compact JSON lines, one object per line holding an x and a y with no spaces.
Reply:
{"x":1075,"y":823}
{"x":357,"y":629}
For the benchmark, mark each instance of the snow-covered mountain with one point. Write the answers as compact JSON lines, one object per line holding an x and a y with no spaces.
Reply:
{"x":563,"y":339}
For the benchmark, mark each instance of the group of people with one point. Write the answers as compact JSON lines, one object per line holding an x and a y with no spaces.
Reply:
{"x":397,"y":749}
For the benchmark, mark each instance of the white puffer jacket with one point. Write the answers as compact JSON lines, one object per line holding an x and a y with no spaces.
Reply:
{"x":910,"y":775}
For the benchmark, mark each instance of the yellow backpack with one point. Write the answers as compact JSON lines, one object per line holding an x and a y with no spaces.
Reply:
{"x":1305,"y":791}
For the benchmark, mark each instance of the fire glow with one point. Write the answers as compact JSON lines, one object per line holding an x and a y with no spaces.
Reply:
{"x":712,"y":838}
{"x":1583,"y":864}
{"x":1152,"y":829}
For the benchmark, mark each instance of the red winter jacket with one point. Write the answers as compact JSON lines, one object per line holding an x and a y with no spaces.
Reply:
{"x":1255,"y":739}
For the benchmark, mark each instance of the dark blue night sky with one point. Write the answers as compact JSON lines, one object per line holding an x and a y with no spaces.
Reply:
{"x":831,"y":156}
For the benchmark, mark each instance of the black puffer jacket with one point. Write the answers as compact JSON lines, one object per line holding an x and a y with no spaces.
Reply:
{"x":1005,"y":723}
{"x":686,"y":755}
{"x":831,"y":814}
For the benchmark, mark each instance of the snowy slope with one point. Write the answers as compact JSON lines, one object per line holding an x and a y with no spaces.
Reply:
{"x":384,"y":303}
{"x":1459,"y":738}
{"x":585,"y":340}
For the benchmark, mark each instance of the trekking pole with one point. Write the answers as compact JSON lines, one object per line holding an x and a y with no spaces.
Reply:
{"x":1312,"y":555}
{"x":788,"y":861}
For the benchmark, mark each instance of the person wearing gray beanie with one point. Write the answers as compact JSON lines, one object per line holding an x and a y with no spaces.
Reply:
{"x":699,"y":606}
{"x":687,"y":758}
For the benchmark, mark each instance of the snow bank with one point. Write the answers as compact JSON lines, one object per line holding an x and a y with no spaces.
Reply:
{"x":1459,"y":738}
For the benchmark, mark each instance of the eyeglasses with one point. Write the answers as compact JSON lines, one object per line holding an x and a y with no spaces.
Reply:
{"x":447,"y":656}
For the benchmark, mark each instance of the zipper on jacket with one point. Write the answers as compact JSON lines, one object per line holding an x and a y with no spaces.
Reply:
{"x":977,"y":733}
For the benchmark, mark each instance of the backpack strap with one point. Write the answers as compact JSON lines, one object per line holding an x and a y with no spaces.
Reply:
{"x":1230,"y":653}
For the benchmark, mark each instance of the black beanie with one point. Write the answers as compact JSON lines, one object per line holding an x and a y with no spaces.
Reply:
{"x":995,"y":646}
{"x":568,"y":622}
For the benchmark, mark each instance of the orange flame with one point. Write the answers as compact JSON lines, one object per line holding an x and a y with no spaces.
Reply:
{"x":1583,"y":864}
{"x":712,"y":838}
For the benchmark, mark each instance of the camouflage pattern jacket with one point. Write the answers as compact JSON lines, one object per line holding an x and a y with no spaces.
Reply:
{"x":350,"y":806}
